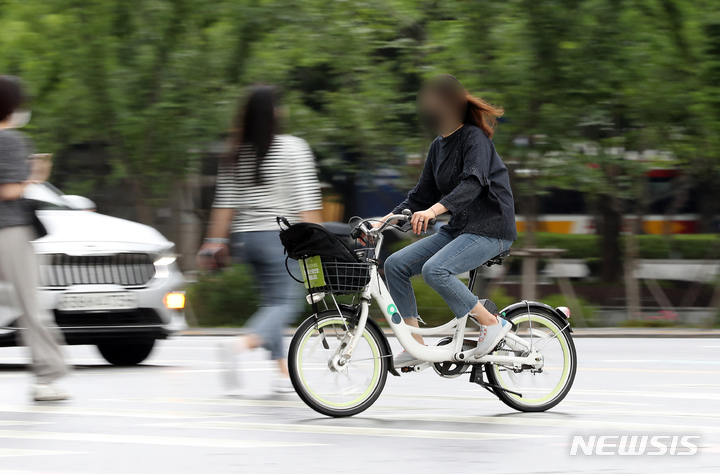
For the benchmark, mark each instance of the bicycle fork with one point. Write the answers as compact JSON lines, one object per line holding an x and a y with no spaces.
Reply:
{"x":345,"y":351}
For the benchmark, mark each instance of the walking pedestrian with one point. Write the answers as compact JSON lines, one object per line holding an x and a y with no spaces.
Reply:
{"x":18,"y":262}
{"x":264,"y":175}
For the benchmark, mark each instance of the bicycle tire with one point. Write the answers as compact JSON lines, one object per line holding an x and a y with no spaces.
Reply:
{"x":568,"y":348}
{"x":306,"y":394}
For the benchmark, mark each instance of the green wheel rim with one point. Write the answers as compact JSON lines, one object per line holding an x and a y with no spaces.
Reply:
{"x":566,"y":365}
{"x":376,"y":368}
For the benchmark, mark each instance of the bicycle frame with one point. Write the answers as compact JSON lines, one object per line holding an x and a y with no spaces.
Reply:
{"x":377,"y":290}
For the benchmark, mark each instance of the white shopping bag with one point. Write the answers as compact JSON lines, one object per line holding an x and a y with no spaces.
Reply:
{"x":9,"y":306}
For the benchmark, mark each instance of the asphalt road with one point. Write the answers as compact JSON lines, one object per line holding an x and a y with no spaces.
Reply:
{"x":169,"y":416}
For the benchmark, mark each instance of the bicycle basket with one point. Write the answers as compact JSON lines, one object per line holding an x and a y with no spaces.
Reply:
{"x":344,"y":278}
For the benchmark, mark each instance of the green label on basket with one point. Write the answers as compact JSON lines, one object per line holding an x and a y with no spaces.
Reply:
{"x":314,"y":272}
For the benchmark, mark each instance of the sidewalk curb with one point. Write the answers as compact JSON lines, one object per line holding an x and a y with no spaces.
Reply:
{"x":577,"y":333}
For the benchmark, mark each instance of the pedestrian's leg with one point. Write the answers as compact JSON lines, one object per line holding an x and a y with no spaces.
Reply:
{"x":19,"y":266}
{"x":281,"y":295}
{"x":280,"y":298}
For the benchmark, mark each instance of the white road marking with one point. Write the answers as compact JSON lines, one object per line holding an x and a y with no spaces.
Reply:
{"x":148,"y":440}
{"x":217,"y":401}
{"x":542,"y":420}
{"x":623,"y":393}
{"x":647,"y":371}
{"x":22,"y":423}
{"x":660,"y":361}
{"x":6,"y":453}
{"x":350,"y":430}
{"x":115,"y":412}
{"x":643,"y":413}
{"x":683,"y":385}
{"x":255,"y":402}
{"x":564,"y":402}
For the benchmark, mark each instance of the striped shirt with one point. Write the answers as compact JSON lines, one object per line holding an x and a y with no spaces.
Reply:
{"x":288,"y":185}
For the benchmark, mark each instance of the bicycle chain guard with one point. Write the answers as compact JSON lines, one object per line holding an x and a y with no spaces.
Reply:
{"x":452,"y":369}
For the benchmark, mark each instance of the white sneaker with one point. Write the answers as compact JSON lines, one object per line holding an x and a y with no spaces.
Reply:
{"x":404,"y":359}
{"x":229,"y":366}
{"x":46,"y":392}
{"x":490,"y":336}
{"x":283,"y":385}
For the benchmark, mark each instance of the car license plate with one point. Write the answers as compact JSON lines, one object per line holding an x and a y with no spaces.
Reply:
{"x":97,"y":301}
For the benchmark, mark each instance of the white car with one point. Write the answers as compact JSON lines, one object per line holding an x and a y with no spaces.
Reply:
{"x":110,"y":282}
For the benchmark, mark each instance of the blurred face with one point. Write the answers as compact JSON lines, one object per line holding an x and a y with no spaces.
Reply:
{"x":441,"y":105}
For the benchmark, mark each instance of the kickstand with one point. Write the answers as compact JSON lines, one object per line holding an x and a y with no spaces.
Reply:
{"x":476,"y":376}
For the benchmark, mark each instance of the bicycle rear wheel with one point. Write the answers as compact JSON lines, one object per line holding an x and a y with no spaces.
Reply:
{"x":540,"y":389}
{"x":319,"y":383}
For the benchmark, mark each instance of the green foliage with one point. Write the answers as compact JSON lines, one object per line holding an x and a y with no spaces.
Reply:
{"x":227,"y":298}
{"x":589,"y":317}
{"x":431,"y":307}
{"x":587,"y":246}
{"x":501,"y":298}
{"x":576,"y":245}
{"x":150,"y":86}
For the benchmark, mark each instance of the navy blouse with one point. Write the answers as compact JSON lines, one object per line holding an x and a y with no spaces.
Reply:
{"x":464,"y":173}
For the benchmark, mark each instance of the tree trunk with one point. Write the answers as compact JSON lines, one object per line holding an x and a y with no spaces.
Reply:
{"x":609,"y":228}
{"x":707,"y":203}
{"x":681,"y":192}
{"x":632,"y":285}
{"x":144,"y":213}
{"x":528,"y":207}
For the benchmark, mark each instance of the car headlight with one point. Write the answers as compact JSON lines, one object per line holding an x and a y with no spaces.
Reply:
{"x":162,"y":265}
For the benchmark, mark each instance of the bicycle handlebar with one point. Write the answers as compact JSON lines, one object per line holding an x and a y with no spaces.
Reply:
{"x":362,"y":228}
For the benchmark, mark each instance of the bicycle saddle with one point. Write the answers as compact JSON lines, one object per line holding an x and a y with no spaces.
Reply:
{"x":497,"y":259}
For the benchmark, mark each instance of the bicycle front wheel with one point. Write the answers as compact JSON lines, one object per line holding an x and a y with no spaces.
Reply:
{"x":321,"y":384}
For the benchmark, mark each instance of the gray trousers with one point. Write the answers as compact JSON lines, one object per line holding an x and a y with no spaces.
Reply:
{"x":19,"y":266}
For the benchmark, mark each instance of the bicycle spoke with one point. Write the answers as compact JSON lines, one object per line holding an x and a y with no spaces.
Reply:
{"x":327,"y":381}
{"x":538,"y":385}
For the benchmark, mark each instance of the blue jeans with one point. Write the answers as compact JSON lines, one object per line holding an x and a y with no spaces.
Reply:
{"x":439,"y":258}
{"x":280,"y":296}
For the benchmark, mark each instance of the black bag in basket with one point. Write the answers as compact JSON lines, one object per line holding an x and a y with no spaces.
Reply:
{"x":342,"y":269}
{"x":307,"y":240}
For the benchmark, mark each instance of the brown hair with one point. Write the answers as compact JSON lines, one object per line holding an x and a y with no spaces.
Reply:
{"x":482,"y":114}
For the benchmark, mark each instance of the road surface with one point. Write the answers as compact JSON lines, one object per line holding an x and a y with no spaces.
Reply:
{"x":169,"y":416}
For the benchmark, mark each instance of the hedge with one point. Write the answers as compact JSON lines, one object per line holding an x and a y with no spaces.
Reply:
{"x":227,"y":298}
{"x":230,"y":297}
{"x":588,"y":246}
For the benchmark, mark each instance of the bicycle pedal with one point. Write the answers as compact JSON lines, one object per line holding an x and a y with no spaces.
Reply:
{"x":415,"y":368}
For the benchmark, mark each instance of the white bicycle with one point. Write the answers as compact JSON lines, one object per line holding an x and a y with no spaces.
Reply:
{"x":339,"y":358}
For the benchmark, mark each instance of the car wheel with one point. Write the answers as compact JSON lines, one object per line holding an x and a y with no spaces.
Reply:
{"x":126,"y":352}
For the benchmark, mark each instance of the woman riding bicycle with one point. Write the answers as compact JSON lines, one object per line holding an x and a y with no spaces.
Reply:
{"x":464,"y":176}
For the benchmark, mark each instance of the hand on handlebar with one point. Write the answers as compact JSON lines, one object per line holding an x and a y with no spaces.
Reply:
{"x":420,"y":221}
